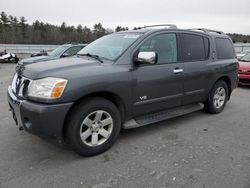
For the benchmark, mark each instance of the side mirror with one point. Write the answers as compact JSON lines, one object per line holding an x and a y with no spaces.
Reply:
{"x":65,"y":54}
{"x":147,"y":57}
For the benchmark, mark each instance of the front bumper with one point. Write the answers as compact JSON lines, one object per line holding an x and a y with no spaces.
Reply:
{"x":37,"y":118}
{"x":244,"y":79}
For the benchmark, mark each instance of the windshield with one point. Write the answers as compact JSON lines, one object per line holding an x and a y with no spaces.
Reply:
{"x":110,"y":46}
{"x":58,"y":51}
{"x":246,"y":57}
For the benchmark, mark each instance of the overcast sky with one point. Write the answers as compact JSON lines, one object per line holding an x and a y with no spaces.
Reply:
{"x":226,"y":15}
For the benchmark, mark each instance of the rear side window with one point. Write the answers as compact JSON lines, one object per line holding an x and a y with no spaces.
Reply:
{"x":224,"y":48}
{"x":195,"y":47}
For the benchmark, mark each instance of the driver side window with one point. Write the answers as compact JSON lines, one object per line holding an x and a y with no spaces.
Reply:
{"x":165,"y":45}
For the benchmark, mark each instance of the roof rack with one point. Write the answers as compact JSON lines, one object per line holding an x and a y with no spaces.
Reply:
{"x":171,"y":26}
{"x":206,"y":30}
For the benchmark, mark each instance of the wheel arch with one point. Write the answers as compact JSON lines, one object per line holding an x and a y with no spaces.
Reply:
{"x":114,"y":98}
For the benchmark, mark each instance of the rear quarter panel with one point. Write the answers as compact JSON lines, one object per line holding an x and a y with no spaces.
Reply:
{"x":223,"y":68}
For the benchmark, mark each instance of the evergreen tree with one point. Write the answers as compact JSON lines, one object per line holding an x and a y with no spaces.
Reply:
{"x":120,"y":28}
{"x":99,"y":31}
{"x":23,"y":27}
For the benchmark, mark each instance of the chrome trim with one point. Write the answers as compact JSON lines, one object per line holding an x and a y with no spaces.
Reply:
{"x":18,"y":83}
{"x":178,"y":70}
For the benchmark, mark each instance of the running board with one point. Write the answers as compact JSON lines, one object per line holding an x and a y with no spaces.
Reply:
{"x":163,"y":115}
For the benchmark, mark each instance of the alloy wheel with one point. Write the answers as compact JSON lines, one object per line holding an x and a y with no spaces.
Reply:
{"x":219,"y":97}
{"x":96,"y":128}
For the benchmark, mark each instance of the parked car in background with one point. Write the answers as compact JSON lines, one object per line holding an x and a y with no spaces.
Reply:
{"x":124,"y":80}
{"x":241,"y":49}
{"x":62,"y":51}
{"x":244,"y":70}
{"x":8,"y":57}
{"x":43,"y":52}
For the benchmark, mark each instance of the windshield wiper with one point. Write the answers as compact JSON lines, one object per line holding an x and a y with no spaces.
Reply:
{"x":93,"y":56}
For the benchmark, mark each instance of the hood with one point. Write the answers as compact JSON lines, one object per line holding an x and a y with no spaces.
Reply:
{"x":244,"y":65}
{"x":64,"y":67}
{"x":36,"y":59}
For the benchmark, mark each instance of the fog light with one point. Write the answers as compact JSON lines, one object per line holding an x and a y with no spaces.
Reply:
{"x":27,"y":123}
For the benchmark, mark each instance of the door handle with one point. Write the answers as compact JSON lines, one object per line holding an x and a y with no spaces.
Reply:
{"x":177,"y":70}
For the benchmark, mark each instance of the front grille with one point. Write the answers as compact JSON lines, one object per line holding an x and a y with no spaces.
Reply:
{"x":19,"y":85}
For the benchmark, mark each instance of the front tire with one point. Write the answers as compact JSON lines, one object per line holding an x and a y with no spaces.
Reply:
{"x":217,"y":98}
{"x":93,"y":126}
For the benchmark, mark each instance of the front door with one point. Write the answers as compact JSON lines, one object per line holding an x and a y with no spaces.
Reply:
{"x":158,"y":86}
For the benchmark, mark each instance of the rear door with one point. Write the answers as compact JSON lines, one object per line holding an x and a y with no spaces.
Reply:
{"x":158,"y":86}
{"x":197,"y":73}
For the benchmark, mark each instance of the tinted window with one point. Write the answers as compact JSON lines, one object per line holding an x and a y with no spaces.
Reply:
{"x":164,"y":45}
{"x":195,"y":47}
{"x":224,"y":48}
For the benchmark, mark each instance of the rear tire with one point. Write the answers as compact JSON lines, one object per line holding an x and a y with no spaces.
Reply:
{"x":217,"y":98}
{"x":93,"y":126}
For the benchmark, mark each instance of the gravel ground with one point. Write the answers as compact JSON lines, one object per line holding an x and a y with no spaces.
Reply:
{"x":193,"y":151}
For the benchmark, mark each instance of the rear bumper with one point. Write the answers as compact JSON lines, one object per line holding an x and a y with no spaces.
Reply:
{"x":37,"y":118}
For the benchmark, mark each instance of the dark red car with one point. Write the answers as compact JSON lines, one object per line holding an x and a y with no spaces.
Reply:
{"x":244,"y":70}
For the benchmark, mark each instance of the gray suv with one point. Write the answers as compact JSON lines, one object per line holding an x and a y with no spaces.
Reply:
{"x":124,"y":80}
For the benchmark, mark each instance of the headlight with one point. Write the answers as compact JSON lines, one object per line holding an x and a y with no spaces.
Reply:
{"x":47,"y":88}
